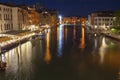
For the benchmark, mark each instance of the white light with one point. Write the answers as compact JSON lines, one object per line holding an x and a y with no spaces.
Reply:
{"x":60,"y":19}
{"x":95,"y":34}
{"x":95,"y":26}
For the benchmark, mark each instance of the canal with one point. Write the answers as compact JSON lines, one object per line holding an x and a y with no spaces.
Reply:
{"x":64,"y":53}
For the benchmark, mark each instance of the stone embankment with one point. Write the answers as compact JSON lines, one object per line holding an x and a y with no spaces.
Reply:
{"x":15,"y":40}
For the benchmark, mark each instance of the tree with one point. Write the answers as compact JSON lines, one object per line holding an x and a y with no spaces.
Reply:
{"x":116,"y":22}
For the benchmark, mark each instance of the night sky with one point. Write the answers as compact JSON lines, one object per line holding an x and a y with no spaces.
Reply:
{"x":73,"y":7}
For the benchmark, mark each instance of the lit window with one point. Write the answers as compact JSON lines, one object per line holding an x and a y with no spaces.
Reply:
{"x":99,"y":19}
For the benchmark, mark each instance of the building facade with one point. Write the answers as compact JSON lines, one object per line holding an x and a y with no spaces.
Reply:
{"x":17,"y":18}
{"x":49,"y":17}
{"x":101,"y":19}
{"x":74,"y":20}
{"x":25,"y":24}
{"x":12,"y":18}
{"x":6,"y":18}
{"x":23,"y":17}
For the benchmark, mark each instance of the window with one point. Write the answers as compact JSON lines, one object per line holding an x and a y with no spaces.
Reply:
{"x":12,"y":26}
{"x":11,"y":17}
{"x":3,"y":9}
{"x":1,"y":27}
{"x":0,"y":17}
{"x":107,"y":24}
{"x":9,"y":26}
{"x":4,"y":17}
{"x":107,"y":19}
{"x":95,"y":19}
{"x":99,"y":19}
{"x":95,"y":23}
{"x":5,"y":26}
{"x":99,"y":23}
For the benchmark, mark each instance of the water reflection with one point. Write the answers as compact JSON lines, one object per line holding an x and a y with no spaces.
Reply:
{"x":37,"y":59}
{"x":82,"y":40}
{"x":74,"y":32}
{"x":18,"y":60}
{"x":102,"y":50}
{"x":47,"y":57}
{"x":60,"y":40}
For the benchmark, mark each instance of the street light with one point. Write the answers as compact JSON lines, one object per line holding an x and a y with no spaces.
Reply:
{"x":60,"y":19}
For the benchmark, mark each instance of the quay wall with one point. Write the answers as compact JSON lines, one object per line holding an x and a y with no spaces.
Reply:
{"x":16,"y":43}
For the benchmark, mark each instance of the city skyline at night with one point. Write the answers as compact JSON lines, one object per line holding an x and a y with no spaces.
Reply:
{"x":72,"y":8}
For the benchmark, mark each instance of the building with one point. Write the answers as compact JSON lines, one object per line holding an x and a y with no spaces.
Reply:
{"x":70,"y":20}
{"x":74,"y":20}
{"x":102,"y":20}
{"x":17,"y":18}
{"x":54,"y":17}
{"x":30,"y":17}
{"x":6,"y":18}
{"x":48,"y":16}
{"x":12,"y":18}
{"x":23,"y":17}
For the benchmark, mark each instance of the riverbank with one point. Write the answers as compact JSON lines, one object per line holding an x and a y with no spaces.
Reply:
{"x":15,"y":39}
{"x":112,"y":36}
{"x":106,"y":33}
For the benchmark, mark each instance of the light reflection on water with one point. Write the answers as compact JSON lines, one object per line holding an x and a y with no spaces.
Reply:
{"x":47,"y":57}
{"x":18,"y":59}
{"x":102,"y":50}
{"x":66,"y":53}
{"x":82,"y":43}
{"x":60,"y":38}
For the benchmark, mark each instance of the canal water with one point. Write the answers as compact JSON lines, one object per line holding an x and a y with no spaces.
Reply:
{"x":64,"y":53}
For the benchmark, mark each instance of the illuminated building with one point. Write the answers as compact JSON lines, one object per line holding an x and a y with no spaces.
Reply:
{"x":49,"y":17}
{"x":73,"y":20}
{"x":102,"y":19}
{"x":22,"y":17}
{"x":5,"y":18}
{"x":17,"y":18}
{"x":25,"y":16}
{"x":33,"y":16}
{"x":12,"y":18}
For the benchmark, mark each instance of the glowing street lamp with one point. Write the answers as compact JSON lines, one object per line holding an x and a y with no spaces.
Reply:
{"x":60,"y":19}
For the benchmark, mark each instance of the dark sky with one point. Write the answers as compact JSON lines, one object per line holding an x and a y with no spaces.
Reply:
{"x":73,"y":7}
